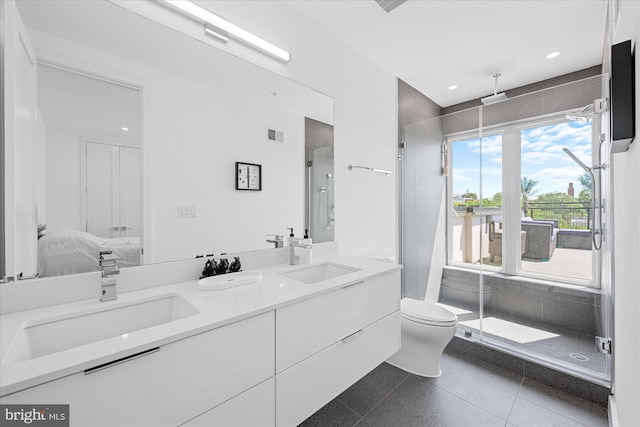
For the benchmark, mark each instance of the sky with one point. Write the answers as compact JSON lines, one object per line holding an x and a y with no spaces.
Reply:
{"x":542,"y":159}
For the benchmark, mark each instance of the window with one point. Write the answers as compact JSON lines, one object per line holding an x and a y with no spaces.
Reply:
{"x":520,"y":204}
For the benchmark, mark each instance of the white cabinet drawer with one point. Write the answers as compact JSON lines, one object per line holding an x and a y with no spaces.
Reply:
{"x":307,"y":327}
{"x":170,"y":386}
{"x":306,"y":387}
{"x":253,"y":408}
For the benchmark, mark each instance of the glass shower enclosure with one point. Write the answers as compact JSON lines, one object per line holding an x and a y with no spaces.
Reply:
{"x":319,"y":181}
{"x":503,"y":227}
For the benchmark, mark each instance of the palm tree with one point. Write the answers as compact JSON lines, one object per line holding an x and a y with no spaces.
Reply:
{"x":587,"y":188}
{"x":527,"y":189}
{"x":585,"y":181}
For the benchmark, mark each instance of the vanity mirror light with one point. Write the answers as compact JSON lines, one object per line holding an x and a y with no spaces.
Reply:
{"x":191,"y":112}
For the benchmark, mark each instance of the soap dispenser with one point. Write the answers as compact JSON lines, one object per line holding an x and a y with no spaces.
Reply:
{"x":306,"y":240}
{"x":291,"y":240}
{"x":306,"y":249}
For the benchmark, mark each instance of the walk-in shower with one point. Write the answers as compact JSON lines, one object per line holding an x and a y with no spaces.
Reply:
{"x":319,"y":210}
{"x":503,"y":233}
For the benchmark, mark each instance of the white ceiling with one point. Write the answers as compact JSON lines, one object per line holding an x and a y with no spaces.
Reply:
{"x":74,"y":101}
{"x":113,"y":29}
{"x":432,"y":44}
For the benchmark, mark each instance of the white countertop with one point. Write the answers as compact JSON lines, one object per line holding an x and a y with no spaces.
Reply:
{"x":217,"y":308}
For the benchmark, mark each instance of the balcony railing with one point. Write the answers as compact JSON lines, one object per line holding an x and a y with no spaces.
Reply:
{"x":569,"y":215}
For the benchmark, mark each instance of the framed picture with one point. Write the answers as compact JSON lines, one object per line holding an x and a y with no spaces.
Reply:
{"x":248,"y":176}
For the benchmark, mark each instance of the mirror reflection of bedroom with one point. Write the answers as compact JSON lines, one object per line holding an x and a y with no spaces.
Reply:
{"x":89,"y":149}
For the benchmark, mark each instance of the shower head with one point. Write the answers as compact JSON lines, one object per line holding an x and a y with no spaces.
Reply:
{"x":577,"y":160}
{"x":488,"y":100}
{"x":577,"y":117}
{"x":496,"y":97}
{"x":581,"y":115}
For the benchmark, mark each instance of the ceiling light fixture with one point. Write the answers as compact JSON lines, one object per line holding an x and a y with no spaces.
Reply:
{"x":125,"y":129}
{"x":227,"y":28}
{"x":453,"y":87}
{"x":553,"y":54}
{"x":216,"y":33}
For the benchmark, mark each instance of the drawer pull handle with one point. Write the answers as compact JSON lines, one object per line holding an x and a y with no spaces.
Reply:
{"x":353,"y":336}
{"x":353,"y":284}
{"x":119,"y":361}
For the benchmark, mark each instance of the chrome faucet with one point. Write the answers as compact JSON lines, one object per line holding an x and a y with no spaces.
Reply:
{"x":109,"y":268}
{"x":278,"y":240}
{"x":295,"y":256}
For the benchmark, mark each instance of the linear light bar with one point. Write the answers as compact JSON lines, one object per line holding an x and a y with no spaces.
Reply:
{"x":233,"y":30}
{"x":216,"y":33}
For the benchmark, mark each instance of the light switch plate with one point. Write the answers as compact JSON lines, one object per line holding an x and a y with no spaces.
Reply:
{"x":187,"y":211}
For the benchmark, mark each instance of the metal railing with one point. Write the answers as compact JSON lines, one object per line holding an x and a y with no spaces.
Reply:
{"x":569,"y":215}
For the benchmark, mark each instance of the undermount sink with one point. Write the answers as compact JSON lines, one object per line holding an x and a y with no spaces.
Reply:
{"x":229,"y":280}
{"x":318,"y":272}
{"x":50,"y":335}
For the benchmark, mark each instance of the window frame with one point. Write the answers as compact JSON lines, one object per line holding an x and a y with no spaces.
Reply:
{"x":511,"y":195}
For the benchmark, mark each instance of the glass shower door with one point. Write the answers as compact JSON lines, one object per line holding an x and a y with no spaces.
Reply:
{"x":320,"y":192}
{"x":319,"y":181}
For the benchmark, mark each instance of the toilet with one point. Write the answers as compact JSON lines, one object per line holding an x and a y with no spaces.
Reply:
{"x":427,"y":328}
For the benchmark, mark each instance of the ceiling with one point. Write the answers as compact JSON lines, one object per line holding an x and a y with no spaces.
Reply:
{"x":433,"y":44}
{"x":70,"y":101}
{"x":53,"y":24}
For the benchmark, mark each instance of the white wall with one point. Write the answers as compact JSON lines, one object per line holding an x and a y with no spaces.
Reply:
{"x":63,"y":179}
{"x":201,"y":146}
{"x":19,"y":127}
{"x":193,"y":135}
{"x":626,"y":172}
{"x":365,"y":123}
{"x":365,"y":115}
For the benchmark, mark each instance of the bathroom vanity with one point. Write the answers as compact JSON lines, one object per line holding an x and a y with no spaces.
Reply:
{"x":266,"y":353}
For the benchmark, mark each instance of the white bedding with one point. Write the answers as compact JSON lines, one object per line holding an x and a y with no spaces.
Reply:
{"x":75,"y":251}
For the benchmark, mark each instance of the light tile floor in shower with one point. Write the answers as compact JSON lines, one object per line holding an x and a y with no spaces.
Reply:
{"x":468,"y":393}
{"x":573,"y":349}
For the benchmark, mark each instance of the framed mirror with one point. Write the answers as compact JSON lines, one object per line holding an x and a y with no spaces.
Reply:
{"x":164,"y":188}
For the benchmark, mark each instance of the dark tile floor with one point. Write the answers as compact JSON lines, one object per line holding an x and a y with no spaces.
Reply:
{"x":468,"y":393}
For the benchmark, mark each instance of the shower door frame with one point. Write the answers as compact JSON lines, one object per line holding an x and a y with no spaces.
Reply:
{"x":601,"y":273}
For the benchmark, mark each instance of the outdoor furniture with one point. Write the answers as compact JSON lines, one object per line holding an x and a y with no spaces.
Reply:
{"x":538,"y":240}
{"x":541,"y":238}
{"x":495,"y":247}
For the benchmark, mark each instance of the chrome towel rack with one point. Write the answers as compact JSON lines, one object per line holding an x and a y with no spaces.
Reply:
{"x":387,"y":173}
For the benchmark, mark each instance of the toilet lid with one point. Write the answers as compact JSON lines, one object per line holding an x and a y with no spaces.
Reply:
{"x":426,"y":312}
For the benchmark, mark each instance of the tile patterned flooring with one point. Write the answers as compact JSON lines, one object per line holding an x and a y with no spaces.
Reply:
{"x":468,"y":393}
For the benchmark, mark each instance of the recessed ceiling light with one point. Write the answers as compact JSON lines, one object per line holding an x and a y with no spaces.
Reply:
{"x":125,"y":129}
{"x":453,"y":87}
{"x":553,"y":54}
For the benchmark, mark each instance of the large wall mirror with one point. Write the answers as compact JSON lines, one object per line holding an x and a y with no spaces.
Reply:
{"x":135,"y":136}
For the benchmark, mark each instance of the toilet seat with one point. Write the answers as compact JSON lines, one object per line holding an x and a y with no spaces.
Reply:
{"x":426,"y":313}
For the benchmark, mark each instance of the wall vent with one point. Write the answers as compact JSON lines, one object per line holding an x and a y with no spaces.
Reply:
{"x":274,"y":135}
{"x":389,"y":5}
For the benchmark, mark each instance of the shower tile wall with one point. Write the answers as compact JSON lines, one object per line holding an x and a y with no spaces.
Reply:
{"x":556,"y":307}
{"x":544,"y":84}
